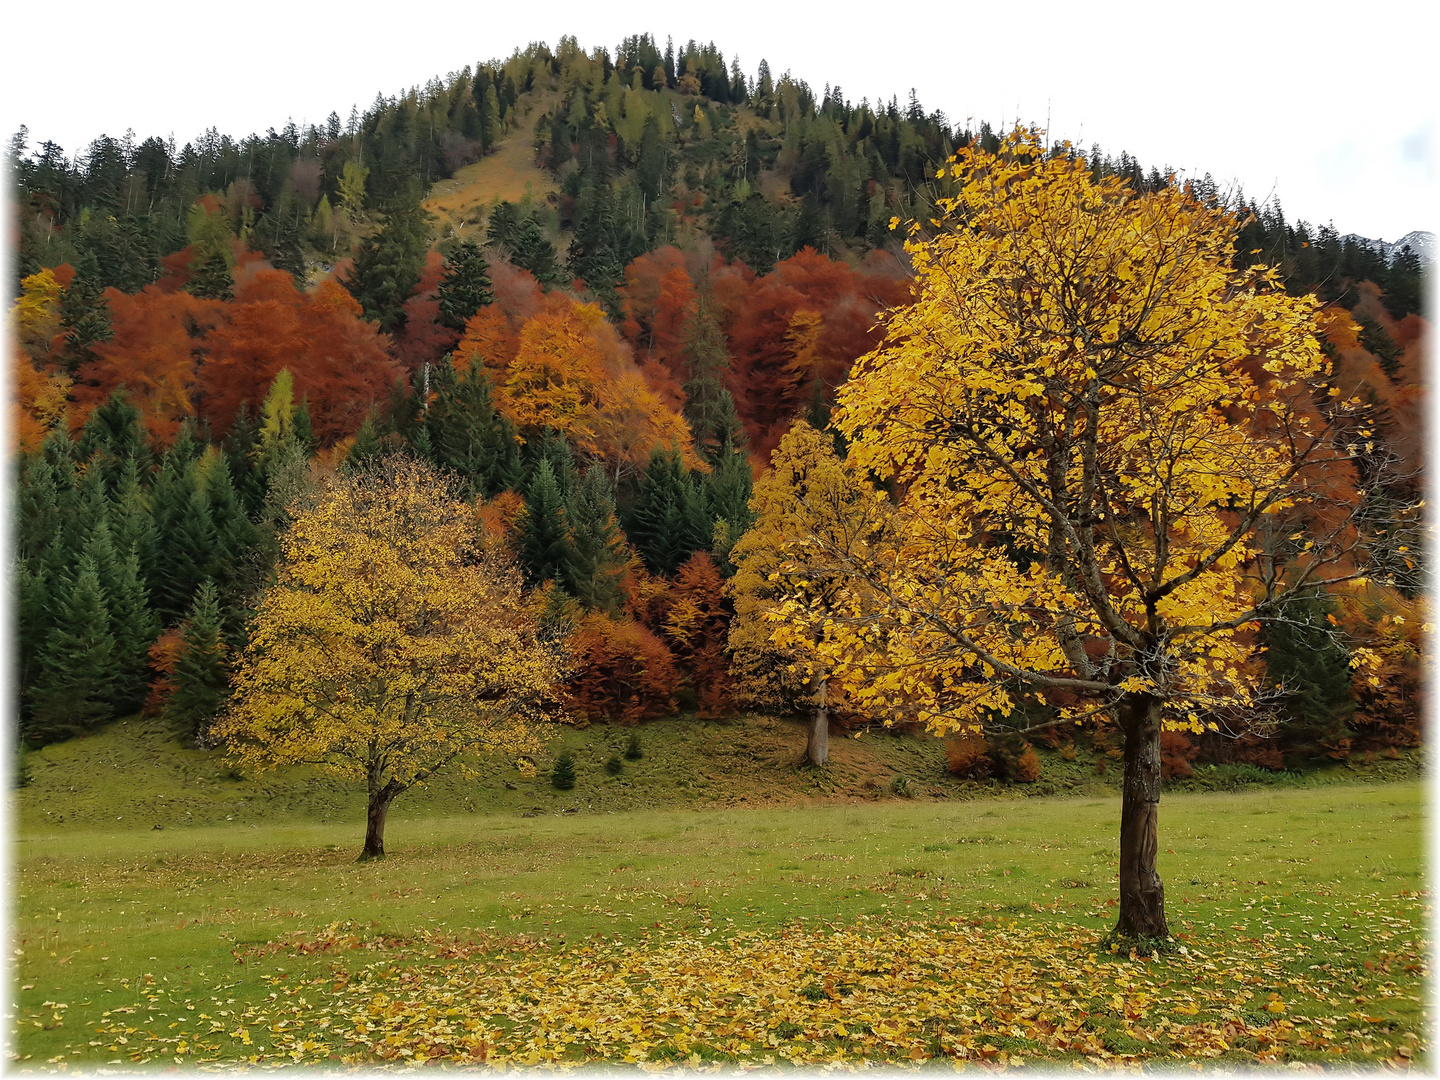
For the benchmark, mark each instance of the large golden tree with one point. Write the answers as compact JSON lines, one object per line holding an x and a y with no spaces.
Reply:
{"x":394,"y":642}
{"x":1109,"y":455}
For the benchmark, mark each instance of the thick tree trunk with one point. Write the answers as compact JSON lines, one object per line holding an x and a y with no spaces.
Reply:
{"x":817,"y":745}
{"x":380,"y":800}
{"x":1142,"y":896}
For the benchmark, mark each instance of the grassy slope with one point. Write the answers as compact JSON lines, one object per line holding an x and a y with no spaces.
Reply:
{"x":135,"y":774}
{"x":509,"y":174}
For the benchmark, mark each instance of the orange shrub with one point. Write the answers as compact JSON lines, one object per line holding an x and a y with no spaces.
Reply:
{"x":968,"y":757}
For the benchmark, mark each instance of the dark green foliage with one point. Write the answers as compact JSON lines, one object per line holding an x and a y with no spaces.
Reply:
{"x":303,"y":430}
{"x":595,"y":557}
{"x":242,"y":453}
{"x":75,"y":684}
{"x":116,"y":433}
{"x":562,"y":776}
{"x":366,"y":450}
{"x":756,"y":232}
{"x":525,"y":244}
{"x":465,"y":287}
{"x":185,"y":539}
{"x":1306,"y":660}
{"x":709,"y":408}
{"x":388,"y":264}
{"x":201,"y":678}
{"x":613,"y":765}
{"x":84,"y":314}
{"x":554,"y":448}
{"x":211,"y":278}
{"x":669,"y":520}
{"x":544,"y":549}
{"x":467,"y":434}
{"x":633,"y":749}
{"x":134,"y":627}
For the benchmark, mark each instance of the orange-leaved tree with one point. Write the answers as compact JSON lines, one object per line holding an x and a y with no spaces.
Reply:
{"x":1111,"y":456}
{"x":393,"y":643}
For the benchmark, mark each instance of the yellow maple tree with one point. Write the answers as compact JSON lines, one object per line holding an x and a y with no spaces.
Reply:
{"x":1107,"y":450}
{"x":395,"y":642}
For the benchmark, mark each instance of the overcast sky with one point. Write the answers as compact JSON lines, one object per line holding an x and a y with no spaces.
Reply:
{"x":1321,"y":105}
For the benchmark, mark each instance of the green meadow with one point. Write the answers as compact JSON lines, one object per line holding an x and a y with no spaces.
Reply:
{"x":213,"y":941}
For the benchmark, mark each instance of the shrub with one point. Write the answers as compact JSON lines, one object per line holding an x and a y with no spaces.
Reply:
{"x":968,"y":757}
{"x":1176,"y":754}
{"x":562,"y":776}
{"x":613,"y":765}
{"x":901,"y":785}
{"x":1015,"y":759}
{"x":1027,"y":766}
{"x":1068,"y":752}
{"x":633,"y":750}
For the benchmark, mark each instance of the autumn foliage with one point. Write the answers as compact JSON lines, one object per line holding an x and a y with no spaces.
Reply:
{"x":623,"y":672}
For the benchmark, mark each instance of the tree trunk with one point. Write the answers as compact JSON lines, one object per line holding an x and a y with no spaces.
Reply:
{"x":1142,"y":896}
{"x":817,"y":745}
{"x":380,"y":800}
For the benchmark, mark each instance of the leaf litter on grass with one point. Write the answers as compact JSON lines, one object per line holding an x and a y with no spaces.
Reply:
{"x":992,"y":990}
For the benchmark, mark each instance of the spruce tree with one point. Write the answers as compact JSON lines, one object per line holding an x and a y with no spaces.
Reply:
{"x":388,"y":265}
{"x":211,"y":277}
{"x":709,"y":408}
{"x":669,"y":520}
{"x":116,"y":433}
{"x":595,"y":559}
{"x":185,"y":536}
{"x":134,"y":626}
{"x":132,"y":522}
{"x":75,"y":685}
{"x":201,"y":678}
{"x":365,"y":451}
{"x":465,"y":287}
{"x":469,"y":436}
{"x":542,"y":541}
{"x":242,"y":452}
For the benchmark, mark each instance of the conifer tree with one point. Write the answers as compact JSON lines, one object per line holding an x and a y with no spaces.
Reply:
{"x":596,"y":557}
{"x":388,"y":264}
{"x":132,"y":523}
{"x":668,"y":521}
{"x":709,"y":408}
{"x":114,"y":434}
{"x":75,"y":685}
{"x":366,"y":449}
{"x":465,"y":287}
{"x":134,"y":627}
{"x":201,"y":677}
{"x":468,"y":435}
{"x":542,"y":540}
{"x":242,"y":449}
{"x":185,"y":535}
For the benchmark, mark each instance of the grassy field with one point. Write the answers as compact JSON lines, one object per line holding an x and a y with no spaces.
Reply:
{"x":835,"y":925}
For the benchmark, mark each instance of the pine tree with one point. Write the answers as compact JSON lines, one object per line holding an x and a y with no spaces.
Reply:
{"x":114,"y":434}
{"x":468,"y":435}
{"x":709,"y":408}
{"x":1306,"y":658}
{"x":134,"y":627}
{"x":366,"y":450}
{"x":668,"y":521}
{"x":211,"y":277}
{"x":132,"y":523}
{"x":242,"y":451}
{"x":201,"y":678}
{"x":465,"y":287}
{"x":542,"y":541}
{"x":75,"y":685}
{"x":185,"y":535}
{"x":562,"y":775}
{"x":596,"y":557}
{"x":388,"y":264}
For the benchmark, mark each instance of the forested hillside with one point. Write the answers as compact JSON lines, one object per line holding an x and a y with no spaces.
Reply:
{"x":636,"y":271}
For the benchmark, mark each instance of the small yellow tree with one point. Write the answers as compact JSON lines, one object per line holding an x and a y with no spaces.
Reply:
{"x":806,"y":507}
{"x":394,"y":642}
